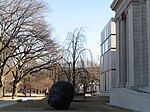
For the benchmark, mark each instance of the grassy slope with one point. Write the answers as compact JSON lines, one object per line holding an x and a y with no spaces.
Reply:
{"x":79,"y":104}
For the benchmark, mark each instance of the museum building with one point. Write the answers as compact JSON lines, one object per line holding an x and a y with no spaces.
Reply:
{"x":108,"y":57}
{"x":132,"y":89}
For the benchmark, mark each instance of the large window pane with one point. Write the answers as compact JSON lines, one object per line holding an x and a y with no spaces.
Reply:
{"x":102,"y":50}
{"x":106,"y":45}
{"x":113,"y":28}
{"x":102,"y":64}
{"x":113,"y":41}
{"x":102,"y":37}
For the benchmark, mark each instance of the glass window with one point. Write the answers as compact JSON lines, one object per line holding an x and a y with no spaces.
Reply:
{"x":113,"y":28}
{"x":113,"y":41}
{"x":106,"y":61}
{"x":109,"y":43}
{"x":106,"y":33}
{"x":102,"y":63}
{"x":102,"y":49}
{"x":106,"y":45}
{"x":102,"y":37}
{"x":109,"y":29}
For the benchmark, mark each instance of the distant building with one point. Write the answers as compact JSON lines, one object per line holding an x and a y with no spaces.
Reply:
{"x":132,"y":88}
{"x":108,"y":57}
{"x":93,"y":88}
{"x":90,"y":78}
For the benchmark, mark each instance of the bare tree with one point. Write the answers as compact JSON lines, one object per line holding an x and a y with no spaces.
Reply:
{"x":41,"y":55}
{"x":75,"y":53}
{"x":15,"y":17}
{"x":24,"y":39}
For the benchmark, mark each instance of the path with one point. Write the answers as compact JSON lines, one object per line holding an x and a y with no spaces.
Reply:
{"x":7,"y":103}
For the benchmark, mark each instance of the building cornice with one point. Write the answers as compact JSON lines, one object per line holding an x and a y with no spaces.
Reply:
{"x":114,"y":3}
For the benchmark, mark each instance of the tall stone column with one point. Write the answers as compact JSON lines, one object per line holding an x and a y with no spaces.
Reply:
{"x":117,"y":52}
{"x":134,"y":46}
{"x":148,"y":35}
{"x":122,"y":51}
{"x":144,"y":44}
{"x":127,"y":49}
{"x":130,"y":48}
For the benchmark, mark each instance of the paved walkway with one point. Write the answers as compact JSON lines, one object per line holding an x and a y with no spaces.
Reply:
{"x":90,"y":104}
{"x":4,"y":103}
{"x":7,"y":103}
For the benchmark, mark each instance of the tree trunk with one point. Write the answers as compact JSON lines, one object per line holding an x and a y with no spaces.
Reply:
{"x":73,"y":82}
{"x":69,"y":74}
{"x":15,"y":89}
{"x":73,"y":74}
{"x":1,"y":89}
{"x":1,"y":92}
{"x":25,"y":94}
{"x":3,"y":86}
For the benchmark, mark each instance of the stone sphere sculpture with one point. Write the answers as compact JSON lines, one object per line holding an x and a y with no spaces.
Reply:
{"x":61,"y":95}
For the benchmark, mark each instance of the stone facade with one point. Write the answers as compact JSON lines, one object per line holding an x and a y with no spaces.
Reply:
{"x":133,"y":42}
{"x":108,"y":57}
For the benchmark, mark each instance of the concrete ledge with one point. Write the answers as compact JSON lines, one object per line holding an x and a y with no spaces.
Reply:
{"x":130,"y":99}
{"x":145,"y":89}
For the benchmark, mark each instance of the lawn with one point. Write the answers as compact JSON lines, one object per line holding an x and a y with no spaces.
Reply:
{"x":79,"y":104}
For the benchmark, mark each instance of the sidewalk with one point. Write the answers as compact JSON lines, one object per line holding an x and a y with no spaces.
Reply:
{"x":6,"y":103}
{"x":91,"y":104}
{"x":7,"y":100}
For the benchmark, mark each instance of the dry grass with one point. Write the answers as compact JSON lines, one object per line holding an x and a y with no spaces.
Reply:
{"x":20,"y":96}
{"x":79,"y":104}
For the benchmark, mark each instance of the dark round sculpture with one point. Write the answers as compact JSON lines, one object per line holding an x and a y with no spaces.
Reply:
{"x":61,"y":95}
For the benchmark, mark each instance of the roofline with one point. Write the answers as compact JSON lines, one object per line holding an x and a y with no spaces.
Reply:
{"x":114,"y":3}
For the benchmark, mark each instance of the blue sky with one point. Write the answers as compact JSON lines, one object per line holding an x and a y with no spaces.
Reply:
{"x":66,"y":15}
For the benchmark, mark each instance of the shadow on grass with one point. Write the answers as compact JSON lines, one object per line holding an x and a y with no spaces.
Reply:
{"x":78,"y":104}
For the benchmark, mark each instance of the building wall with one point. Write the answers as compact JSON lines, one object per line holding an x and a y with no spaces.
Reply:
{"x":131,"y":100}
{"x":132,"y":43}
{"x":108,"y":56}
{"x":132,"y":90}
